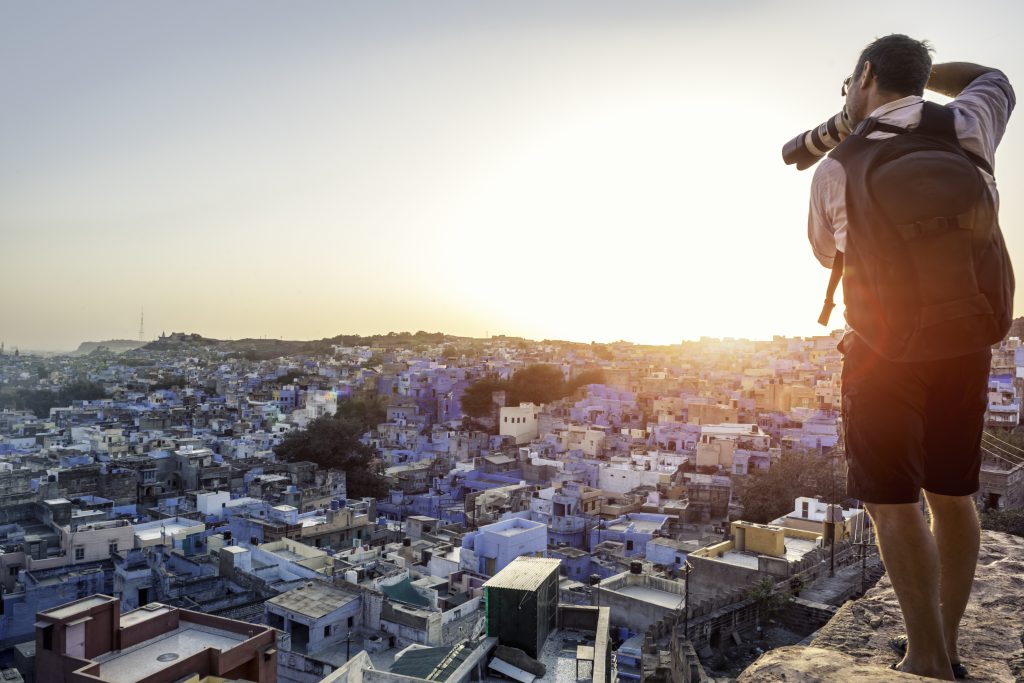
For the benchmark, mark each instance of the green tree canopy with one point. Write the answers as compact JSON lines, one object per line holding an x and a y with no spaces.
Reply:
{"x":1009,"y":521}
{"x":532,"y":384}
{"x":39,"y":401}
{"x":477,"y":398}
{"x":536,"y":384}
{"x":595,"y":376}
{"x":769,"y":494}
{"x":333,"y":442}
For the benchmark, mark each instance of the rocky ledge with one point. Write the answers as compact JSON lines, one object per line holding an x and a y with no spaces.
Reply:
{"x":853,"y":646}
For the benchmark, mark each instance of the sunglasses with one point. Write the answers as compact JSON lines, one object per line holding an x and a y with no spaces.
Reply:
{"x":846,"y":85}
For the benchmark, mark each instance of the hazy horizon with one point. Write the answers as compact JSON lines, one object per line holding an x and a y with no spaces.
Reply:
{"x":586,"y":171}
{"x":29,"y":350}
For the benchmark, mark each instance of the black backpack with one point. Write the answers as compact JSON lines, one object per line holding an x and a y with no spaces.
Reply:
{"x":926,"y":275}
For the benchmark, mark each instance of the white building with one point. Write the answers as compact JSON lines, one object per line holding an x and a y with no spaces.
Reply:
{"x":520,"y":422}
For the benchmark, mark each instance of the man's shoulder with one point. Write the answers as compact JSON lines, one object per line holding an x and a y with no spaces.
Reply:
{"x":982,"y":112}
{"x":829,"y":173}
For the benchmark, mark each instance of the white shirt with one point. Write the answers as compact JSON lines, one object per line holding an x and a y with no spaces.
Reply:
{"x":980,"y":114}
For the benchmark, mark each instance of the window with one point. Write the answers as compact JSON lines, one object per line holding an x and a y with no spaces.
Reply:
{"x":13,"y":571}
{"x":629,"y":545}
{"x":327,"y":630}
{"x":351,"y":621}
{"x":79,"y":553}
{"x":112,"y":547}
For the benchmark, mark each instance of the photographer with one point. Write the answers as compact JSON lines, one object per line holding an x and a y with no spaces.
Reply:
{"x":914,"y":397}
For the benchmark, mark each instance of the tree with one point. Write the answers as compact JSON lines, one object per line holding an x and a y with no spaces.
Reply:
{"x":1008,"y":521}
{"x":537,"y":384}
{"x":534,"y":384}
{"x":333,"y":442}
{"x":595,"y":376}
{"x":40,"y":401}
{"x":477,"y":398}
{"x":366,"y":414}
{"x":769,"y":494}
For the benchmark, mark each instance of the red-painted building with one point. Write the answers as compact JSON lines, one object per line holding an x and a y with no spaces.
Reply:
{"x":90,"y":641}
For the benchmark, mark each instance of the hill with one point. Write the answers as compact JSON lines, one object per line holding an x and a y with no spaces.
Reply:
{"x":114,"y":345}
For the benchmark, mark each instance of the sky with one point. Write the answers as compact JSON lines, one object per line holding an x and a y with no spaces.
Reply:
{"x":580,"y":170}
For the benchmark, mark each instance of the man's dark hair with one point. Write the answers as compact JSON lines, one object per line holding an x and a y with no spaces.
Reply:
{"x":901,"y":64}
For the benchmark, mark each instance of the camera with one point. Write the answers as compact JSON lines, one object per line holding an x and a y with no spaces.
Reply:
{"x":807,"y":148}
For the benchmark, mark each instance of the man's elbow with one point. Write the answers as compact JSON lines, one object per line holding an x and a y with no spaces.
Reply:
{"x":825,"y":260}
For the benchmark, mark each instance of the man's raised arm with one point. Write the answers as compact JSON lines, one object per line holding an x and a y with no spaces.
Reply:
{"x":951,"y":78}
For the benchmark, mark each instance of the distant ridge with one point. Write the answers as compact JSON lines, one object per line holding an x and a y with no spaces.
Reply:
{"x":112,"y":345}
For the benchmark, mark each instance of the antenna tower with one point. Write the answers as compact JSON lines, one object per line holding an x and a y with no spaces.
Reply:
{"x":142,"y":324}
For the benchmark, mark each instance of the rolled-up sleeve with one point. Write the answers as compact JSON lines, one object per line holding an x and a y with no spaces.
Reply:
{"x":983,"y":109}
{"x":826,"y":218}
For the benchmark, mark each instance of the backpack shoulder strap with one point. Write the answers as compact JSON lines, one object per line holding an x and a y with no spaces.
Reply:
{"x":938,"y":121}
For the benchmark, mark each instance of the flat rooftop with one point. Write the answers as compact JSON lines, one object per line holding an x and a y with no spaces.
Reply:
{"x":653,"y":596}
{"x":71,"y":609}
{"x":639,"y":525}
{"x":559,"y":658}
{"x":150,"y":656}
{"x":166,"y":529}
{"x":511,"y":531}
{"x":796,"y":548}
{"x":315,"y":601}
{"x":137,"y":616}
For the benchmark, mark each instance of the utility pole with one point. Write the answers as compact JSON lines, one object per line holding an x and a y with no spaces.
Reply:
{"x":832,"y":518}
{"x":687,"y":568}
{"x":863,"y":551}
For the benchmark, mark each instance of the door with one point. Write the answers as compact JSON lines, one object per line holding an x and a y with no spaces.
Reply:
{"x":75,"y":640}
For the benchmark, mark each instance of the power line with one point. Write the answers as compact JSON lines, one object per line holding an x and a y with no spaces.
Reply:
{"x":992,"y":436}
{"x":996,"y":455}
{"x":1001,"y":450}
{"x":1004,"y":449}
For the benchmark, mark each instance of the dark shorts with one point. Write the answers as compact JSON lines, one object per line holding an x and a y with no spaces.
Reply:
{"x":912,"y":426}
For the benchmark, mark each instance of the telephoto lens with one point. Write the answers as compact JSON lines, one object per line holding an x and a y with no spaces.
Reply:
{"x":807,"y":148}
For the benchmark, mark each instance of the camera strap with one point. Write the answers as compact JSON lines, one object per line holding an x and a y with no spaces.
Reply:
{"x":830,"y":292}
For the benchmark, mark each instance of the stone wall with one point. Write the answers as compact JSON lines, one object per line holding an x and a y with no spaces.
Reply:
{"x":852,"y":646}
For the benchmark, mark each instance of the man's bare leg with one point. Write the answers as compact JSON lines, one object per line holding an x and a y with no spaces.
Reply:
{"x":911,"y":559}
{"x":958,"y":536}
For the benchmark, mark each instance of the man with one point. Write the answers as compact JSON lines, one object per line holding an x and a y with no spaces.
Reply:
{"x":913,"y":426}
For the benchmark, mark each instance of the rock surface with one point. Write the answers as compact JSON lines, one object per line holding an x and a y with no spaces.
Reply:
{"x":853,"y":646}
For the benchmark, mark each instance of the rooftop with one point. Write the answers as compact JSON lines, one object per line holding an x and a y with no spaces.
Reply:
{"x":796,"y":548}
{"x":73,"y":608}
{"x":653,"y":596}
{"x":524,"y":573}
{"x":150,"y":656}
{"x":432,"y":663}
{"x":559,"y":658}
{"x":313,"y":600}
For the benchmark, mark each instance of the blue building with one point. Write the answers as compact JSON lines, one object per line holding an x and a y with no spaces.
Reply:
{"x":632,"y":530}
{"x":491,"y":548}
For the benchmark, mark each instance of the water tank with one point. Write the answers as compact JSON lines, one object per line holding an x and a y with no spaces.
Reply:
{"x":334,"y":505}
{"x":636,"y":567}
{"x":407,"y":542}
{"x":351,"y":576}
